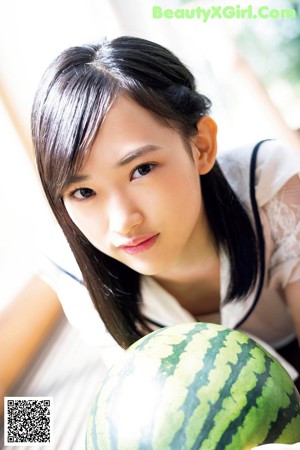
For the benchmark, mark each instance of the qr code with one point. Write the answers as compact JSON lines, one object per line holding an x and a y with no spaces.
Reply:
{"x":28,"y":421}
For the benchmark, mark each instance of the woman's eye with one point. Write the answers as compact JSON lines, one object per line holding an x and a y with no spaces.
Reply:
{"x":142,"y":170}
{"x":82,"y":193}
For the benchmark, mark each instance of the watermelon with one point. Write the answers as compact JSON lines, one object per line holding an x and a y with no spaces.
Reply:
{"x":194,"y":386}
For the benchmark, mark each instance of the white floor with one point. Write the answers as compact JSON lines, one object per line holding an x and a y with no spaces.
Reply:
{"x":70,"y":371}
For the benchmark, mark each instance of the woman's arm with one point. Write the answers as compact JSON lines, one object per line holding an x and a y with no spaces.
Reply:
{"x":283,"y":213}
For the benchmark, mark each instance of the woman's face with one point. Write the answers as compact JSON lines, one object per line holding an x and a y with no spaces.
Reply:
{"x":137,"y":197}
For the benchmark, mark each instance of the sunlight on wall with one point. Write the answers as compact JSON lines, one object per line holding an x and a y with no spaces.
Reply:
{"x":32,"y":33}
{"x":21,"y":227}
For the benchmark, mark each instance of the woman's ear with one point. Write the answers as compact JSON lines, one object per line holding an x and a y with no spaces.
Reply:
{"x":205,"y":144}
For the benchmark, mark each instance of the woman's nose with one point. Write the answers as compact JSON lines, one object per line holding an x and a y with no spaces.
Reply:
{"x":123,"y":215}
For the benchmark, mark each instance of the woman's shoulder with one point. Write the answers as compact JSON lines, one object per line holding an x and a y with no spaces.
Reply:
{"x":276,"y":164}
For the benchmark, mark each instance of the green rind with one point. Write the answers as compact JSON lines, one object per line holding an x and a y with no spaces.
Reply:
{"x":194,"y":417}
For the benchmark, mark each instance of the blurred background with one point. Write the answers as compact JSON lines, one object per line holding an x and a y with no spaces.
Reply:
{"x":249,"y":68}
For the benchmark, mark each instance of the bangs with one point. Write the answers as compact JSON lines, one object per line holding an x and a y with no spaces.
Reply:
{"x":73,"y":113}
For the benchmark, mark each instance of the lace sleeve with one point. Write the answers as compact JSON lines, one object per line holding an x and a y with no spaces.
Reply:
{"x":283,"y":214}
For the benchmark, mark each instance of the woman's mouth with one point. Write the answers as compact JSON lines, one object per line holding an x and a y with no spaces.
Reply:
{"x":139,"y":245}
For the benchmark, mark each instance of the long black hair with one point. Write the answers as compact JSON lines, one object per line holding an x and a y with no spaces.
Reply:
{"x":74,"y":96}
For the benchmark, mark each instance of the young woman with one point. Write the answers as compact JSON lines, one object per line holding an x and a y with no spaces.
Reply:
{"x":162,"y":231}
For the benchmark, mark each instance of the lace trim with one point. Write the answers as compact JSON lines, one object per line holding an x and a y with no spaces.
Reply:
{"x":283,"y":214}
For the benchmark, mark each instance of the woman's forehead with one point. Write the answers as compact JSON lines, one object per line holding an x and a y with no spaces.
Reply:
{"x":125,"y":127}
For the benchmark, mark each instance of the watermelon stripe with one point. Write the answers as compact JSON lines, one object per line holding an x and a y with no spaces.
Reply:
{"x":169,"y":363}
{"x":192,"y":401}
{"x":167,"y":368}
{"x":252,"y":396}
{"x":216,"y":406}
{"x":284,"y":417}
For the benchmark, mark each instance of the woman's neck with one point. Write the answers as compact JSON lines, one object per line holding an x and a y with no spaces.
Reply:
{"x":194,"y":280}
{"x":198,"y":291}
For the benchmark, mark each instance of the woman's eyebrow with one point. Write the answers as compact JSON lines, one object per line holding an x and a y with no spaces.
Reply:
{"x":136,"y":153}
{"x":76,"y":179}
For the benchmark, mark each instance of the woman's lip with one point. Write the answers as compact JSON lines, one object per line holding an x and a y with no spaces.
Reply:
{"x":141,"y":246}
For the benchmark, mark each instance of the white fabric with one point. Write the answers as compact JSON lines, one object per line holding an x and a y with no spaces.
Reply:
{"x":276,"y":164}
{"x":283,"y":213}
{"x":278,"y":200}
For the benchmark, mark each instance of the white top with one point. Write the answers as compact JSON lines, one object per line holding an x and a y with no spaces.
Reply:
{"x":277,"y":185}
